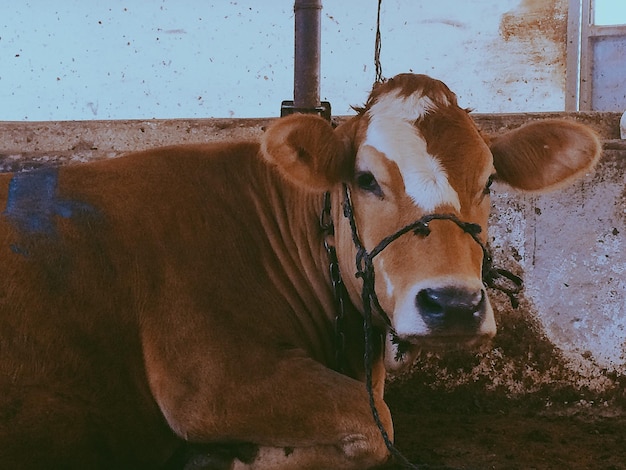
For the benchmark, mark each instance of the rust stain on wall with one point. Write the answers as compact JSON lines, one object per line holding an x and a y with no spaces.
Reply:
{"x":546,"y":18}
{"x":529,"y":54}
{"x":541,"y":28}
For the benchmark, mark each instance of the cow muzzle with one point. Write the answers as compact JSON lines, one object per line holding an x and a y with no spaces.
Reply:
{"x":438,"y":317}
{"x":443,"y":311}
{"x":451,"y":310}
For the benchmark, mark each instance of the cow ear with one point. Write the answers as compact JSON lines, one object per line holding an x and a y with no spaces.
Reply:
{"x":545,"y":154}
{"x":307,"y":151}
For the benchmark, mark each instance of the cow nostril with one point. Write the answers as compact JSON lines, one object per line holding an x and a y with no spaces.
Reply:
{"x":429,"y":302}
{"x":451,"y":308}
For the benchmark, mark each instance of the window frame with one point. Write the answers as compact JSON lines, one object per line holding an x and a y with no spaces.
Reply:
{"x":581,"y":32}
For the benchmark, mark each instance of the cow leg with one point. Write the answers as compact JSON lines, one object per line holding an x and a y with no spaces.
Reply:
{"x":352,"y":448}
{"x":252,"y":457}
{"x":344,"y":438}
{"x":301,"y":414}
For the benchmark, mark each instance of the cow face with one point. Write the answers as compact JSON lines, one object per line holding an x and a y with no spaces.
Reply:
{"x":417,"y":153}
{"x":412,"y":152}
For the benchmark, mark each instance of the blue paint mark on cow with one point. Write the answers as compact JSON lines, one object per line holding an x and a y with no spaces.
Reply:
{"x":33,"y":202}
{"x":18,"y":250}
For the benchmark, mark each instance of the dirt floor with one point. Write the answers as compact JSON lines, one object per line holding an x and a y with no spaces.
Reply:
{"x":515,"y":407}
{"x":474,"y":423}
{"x":439,"y":433}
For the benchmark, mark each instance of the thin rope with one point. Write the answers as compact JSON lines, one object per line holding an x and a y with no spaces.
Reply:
{"x":377,"y":47}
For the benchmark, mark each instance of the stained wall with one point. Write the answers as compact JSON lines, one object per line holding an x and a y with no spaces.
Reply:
{"x":125,"y":59}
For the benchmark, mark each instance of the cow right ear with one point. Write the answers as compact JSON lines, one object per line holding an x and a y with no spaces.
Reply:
{"x":305,"y":149}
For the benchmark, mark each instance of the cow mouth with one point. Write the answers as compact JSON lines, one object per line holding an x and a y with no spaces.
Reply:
{"x":449,"y":341}
{"x":401,"y":352}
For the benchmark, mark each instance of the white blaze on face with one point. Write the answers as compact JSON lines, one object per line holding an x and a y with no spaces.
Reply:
{"x":391,"y":131}
{"x":388,"y":283}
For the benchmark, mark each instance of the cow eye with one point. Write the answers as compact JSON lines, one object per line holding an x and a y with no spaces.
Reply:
{"x":487,"y":189}
{"x":367,"y":182}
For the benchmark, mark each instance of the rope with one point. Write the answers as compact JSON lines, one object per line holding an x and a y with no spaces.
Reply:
{"x":365,"y":271}
{"x":377,"y":46}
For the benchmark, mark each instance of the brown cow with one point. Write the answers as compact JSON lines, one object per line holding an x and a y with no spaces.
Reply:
{"x":183,"y":294}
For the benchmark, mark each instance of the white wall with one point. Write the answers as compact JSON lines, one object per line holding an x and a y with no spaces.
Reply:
{"x":138,"y":59}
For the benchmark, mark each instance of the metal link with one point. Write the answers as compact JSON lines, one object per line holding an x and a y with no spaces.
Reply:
{"x":339,"y":289}
{"x":326,"y":219}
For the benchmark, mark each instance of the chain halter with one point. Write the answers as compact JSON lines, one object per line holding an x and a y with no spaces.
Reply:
{"x":492,"y":278}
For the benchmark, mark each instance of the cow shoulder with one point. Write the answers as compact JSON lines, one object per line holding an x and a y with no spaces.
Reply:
{"x":545,"y":154}
{"x":306,"y":150}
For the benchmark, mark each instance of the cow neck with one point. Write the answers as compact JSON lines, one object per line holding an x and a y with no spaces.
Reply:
{"x":296,"y":262}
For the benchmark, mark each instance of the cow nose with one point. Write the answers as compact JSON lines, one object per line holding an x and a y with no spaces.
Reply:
{"x":451,"y":310}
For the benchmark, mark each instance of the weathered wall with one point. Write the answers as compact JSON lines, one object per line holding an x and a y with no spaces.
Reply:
{"x":569,"y":332}
{"x":196,"y":58}
{"x":572,"y":247}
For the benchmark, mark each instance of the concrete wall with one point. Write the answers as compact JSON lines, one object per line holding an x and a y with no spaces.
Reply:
{"x":569,"y":246}
{"x":129,"y":59}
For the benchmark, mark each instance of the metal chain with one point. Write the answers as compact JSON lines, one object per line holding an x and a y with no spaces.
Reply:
{"x":339,"y":289}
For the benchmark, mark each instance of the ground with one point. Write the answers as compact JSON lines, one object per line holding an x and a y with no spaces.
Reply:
{"x":467,"y":434}
{"x":515,"y":406}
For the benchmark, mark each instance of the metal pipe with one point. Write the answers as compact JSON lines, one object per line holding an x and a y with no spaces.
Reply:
{"x":306,"y":91}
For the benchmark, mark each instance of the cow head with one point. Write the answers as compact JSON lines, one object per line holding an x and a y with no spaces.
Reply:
{"x":412,"y":152}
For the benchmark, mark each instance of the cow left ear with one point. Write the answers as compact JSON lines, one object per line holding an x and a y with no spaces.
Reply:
{"x":307,"y":151}
{"x":545,"y":154}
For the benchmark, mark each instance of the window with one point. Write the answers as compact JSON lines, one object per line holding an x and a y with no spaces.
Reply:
{"x":596,"y":61}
